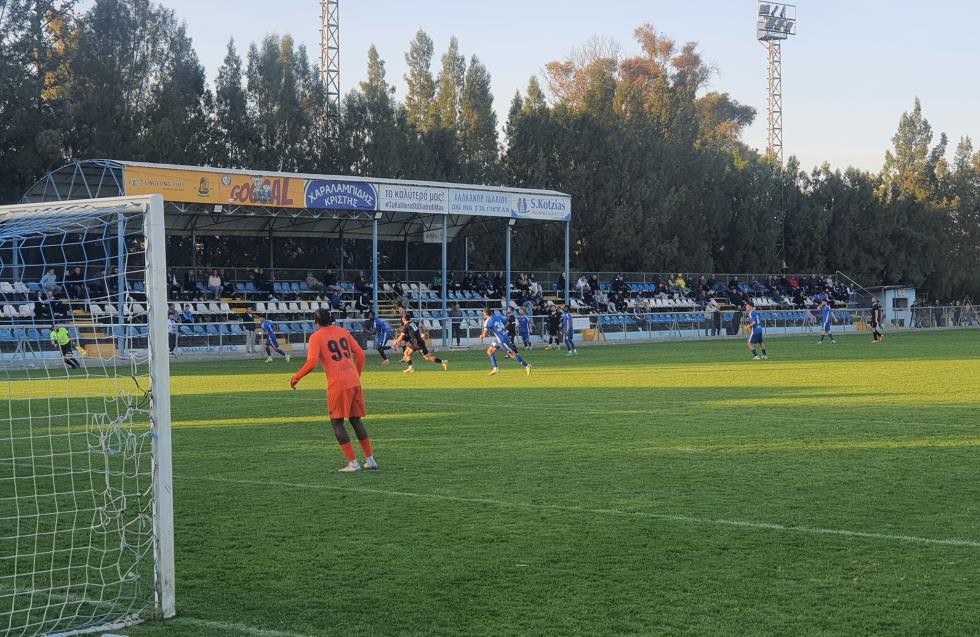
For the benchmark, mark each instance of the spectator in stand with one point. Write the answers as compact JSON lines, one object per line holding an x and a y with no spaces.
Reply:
{"x":50,"y":282}
{"x":733,"y":284}
{"x":582,"y":286}
{"x":214,"y":284}
{"x":59,"y":309}
{"x":190,"y":281}
{"x":703,"y":285}
{"x":186,"y":316}
{"x":561,"y":284}
{"x":173,"y":286}
{"x":680,"y":283}
{"x":361,"y":303}
{"x":437,"y":282}
{"x":467,"y":284}
{"x":314,"y":283}
{"x":75,"y":283}
{"x":594,"y":282}
{"x":42,"y":307}
{"x":601,"y":300}
{"x":361,"y":284}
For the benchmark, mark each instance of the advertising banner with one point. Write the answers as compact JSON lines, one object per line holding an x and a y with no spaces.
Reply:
{"x":399,"y":198}
{"x":251,"y":190}
{"x":175,"y":185}
{"x":481,"y":203}
{"x":340,"y":195}
{"x":543,"y":207}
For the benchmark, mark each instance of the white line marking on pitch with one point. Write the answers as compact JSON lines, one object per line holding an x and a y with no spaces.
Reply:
{"x":666,"y":517}
{"x":242,"y":628}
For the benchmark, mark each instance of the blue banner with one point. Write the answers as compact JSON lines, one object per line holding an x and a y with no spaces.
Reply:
{"x":340,"y":195}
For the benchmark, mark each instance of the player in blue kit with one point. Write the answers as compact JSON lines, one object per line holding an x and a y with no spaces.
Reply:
{"x":754,"y":323}
{"x":524,"y":328}
{"x":496,"y":326}
{"x":271,"y":341}
{"x":568,"y":331}
{"x":382,"y":334}
{"x":826,"y":318}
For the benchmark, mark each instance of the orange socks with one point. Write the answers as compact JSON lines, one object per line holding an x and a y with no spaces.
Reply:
{"x":348,"y":452}
{"x":366,"y":447}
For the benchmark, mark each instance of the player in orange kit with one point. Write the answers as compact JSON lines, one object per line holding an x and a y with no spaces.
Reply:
{"x":342,"y":360}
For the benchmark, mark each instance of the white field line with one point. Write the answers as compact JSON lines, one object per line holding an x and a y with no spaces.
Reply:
{"x":241,"y":628}
{"x":129,"y":622}
{"x":665,"y":517}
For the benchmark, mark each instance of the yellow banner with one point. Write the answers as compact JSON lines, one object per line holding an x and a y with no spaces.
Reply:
{"x":175,"y":185}
{"x":276,"y":192}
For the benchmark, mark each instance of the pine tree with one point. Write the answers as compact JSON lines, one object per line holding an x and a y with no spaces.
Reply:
{"x":421,"y":87}
{"x":451,"y":81}
{"x":479,"y":124}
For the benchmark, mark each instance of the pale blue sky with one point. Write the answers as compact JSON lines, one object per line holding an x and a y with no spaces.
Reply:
{"x":849,"y":74}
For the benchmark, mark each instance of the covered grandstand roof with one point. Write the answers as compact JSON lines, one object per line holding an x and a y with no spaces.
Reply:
{"x":226,"y":201}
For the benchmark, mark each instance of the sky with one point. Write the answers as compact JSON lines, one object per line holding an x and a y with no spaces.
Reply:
{"x":848,"y":75}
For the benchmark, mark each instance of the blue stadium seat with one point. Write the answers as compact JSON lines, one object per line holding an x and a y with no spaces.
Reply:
{"x":7,"y":336}
{"x":277,"y":287}
{"x":236,"y":329}
{"x":250,"y":287}
{"x":211,"y":329}
{"x":185,"y":330}
{"x":199,"y":330}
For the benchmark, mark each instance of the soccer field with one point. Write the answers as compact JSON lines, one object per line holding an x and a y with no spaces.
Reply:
{"x":677,"y":489}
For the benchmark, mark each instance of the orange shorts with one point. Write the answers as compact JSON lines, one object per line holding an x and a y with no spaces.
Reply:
{"x":346,"y":403}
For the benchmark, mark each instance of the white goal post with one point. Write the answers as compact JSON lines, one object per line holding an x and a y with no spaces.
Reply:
{"x":86,"y":478}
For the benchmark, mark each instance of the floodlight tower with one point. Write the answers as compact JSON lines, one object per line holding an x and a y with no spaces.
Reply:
{"x":776,"y":22}
{"x":330,"y":53}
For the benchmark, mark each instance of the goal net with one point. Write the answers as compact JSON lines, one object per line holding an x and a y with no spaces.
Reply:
{"x":86,"y":517}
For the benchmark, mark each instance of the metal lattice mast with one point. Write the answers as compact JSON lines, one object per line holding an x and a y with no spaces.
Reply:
{"x":330,"y":52}
{"x":774,"y":146}
{"x":776,"y":22}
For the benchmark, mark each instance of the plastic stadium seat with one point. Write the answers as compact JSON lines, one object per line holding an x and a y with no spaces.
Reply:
{"x":211,"y":329}
{"x":277,"y":287}
{"x":7,"y":336}
{"x":185,"y":330}
{"x":236,"y":329}
{"x":261,"y":308}
{"x":6,"y":288}
{"x":250,"y":287}
{"x":294,"y":286}
{"x":199,"y":330}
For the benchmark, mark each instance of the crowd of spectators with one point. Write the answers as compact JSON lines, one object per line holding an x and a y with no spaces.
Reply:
{"x":788,"y":291}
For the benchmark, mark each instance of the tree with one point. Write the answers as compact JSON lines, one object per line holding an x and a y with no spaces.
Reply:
{"x":909,"y":169}
{"x":234,"y":134}
{"x":421,"y":87}
{"x":478,"y":126}
{"x":449,"y":97}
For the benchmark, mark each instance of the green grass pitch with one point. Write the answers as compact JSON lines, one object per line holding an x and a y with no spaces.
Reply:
{"x":668,"y":489}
